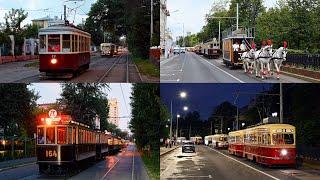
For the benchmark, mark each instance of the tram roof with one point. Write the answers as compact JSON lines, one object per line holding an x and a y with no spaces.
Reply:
{"x":62,"y":28}
{"x":263,"y":126}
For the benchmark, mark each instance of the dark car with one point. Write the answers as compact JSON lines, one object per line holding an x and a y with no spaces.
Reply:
{"x":188,"y":146}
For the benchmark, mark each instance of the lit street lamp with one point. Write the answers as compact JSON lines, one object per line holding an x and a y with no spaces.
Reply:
{"x":243,"y":124}
{"x":183,"y":95}
{"x":178,"y":116}
{"x":185,"y":108}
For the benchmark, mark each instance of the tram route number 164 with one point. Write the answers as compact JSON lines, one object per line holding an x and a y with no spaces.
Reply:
{"x":51,"y":153}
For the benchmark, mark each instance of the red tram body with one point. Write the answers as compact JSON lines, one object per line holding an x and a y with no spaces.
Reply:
{"x":270,"y":144}
{"x":62,"y":144}
{"x":64,"y":49}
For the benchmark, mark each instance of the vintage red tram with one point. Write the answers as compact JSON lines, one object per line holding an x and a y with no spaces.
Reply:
{"x":64,"y":50}
{"x":269,"y":144}
{"x":62,"y":144}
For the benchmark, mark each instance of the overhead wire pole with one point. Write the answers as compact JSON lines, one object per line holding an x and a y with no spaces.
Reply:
{"x":281,"y":104}
{"x":151,"y":25}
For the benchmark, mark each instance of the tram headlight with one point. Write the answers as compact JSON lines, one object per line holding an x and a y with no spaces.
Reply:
{"x":284,"y":152}
{"x":54,"y":61}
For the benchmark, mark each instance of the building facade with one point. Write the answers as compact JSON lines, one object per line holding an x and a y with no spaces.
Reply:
{"x":114,"y":111}
{"x":164,"y":13}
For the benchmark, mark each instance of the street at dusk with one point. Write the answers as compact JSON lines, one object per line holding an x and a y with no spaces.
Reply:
{"x":239,"y":131}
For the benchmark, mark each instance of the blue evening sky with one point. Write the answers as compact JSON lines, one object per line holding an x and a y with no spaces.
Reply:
{"x":49,"y":92}
{"x":192,"y":14}
{"x":55,"y":8}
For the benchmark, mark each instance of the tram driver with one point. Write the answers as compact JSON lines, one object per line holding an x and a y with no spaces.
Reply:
{"x":236,"y":51}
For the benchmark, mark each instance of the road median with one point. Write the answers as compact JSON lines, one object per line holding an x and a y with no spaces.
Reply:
{"x":164,"y":151}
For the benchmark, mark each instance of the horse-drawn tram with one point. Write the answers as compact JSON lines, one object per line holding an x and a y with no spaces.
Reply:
{"x":64,"y":50}
{"x":235,"y":42}
{"x":63,"y":144}
{"x":269,"y":144}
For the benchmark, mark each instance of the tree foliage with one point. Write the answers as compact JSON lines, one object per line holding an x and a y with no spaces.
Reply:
{"x":145,"y":116}
{"x":86,"y":101}
{"x":17,"y":105}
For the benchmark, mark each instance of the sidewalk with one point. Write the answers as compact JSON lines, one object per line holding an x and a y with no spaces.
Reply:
{"x":164,"y":150}
{"x":15,"y":163}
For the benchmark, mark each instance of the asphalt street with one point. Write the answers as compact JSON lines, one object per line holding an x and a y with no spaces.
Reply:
{"x":208,"y":163}
{"x":126,"y":165}
{"x":192,"y":68}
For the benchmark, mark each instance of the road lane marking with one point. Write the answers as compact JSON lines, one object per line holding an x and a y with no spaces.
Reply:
{"x":222,"y":70}
{"x":245,"y":164}
{"x":132,"y":164}
{"x":184,"y":177}
{"x":110,"y":169}
{"x":184,"y":62}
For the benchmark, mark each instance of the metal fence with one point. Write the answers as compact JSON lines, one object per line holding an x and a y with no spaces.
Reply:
{"x":16,"y":148}
{"x":304,"y":61}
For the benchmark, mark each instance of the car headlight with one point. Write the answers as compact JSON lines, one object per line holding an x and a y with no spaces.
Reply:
{"x":284,"y":152}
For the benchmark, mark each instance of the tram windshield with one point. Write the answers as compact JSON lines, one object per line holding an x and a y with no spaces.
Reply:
{"x":41,"y":136}
{"x":223,"y":139}
{"x":54,"y":43}
{"x":280,"y":138}
{"x":43,"y":43}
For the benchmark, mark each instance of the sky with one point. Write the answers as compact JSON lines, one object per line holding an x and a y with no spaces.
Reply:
{"x":192,"y":13}
{"x":49,"y":92}
{"x":55,"y":8}
{"x":205,"y":97}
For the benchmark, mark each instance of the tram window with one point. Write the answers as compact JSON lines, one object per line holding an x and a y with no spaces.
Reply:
{"x":54,"y":43}
{"x":66,"y":43}
{"x":75,"y":43}
{"x":43,"y":43}
{"x":41,"y":135}
{"x":69,"y":135}
{"x":74,"y":135}
{"x":62,"y":135}
{"x":50,"y":135}
{"x":283,"y":139}
{"x":80,"y":136}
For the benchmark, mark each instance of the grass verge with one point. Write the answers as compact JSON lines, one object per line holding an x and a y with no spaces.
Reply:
{"x":146,"y":67}
{"x":152,"y":163}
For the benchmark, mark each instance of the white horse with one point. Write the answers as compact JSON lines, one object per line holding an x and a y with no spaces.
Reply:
{"x":248,"y":60}
{"x":262,"y":60}
{"x":278,"y":57}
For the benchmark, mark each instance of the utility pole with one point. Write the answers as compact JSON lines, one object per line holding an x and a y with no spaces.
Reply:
{"x":65,"y":13}
{"x":219,"y":33}
{"x":211,"y":128}
{"x":151,"y":25}
{"x":237,"y":16}
{"x":281,"y":104}
{"x":221,"y":122}
{"x":190,"y":132}
{"x":171,"y":123}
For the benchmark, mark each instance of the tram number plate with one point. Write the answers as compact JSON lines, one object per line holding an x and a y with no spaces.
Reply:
{"x":51,"y":153}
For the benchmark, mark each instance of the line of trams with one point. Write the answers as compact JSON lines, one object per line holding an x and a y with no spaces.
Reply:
{"x":63,"y":144}
{"x":268,"y":144}
{"x":65,"y":50}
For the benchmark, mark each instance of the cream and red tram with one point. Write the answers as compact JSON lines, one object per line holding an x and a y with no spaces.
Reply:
{"x":269,"y":144}
{"x":64,"y":49}
{"x":231,"y":57}
{"x":217,"y":140}
{"x":62,"y":144}
{"x":109,"y":49}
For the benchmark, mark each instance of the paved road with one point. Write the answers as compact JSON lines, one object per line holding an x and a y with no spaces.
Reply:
{"x":102,"y":69}
{"x":209,"y":163}
{"x":126,"y":165}
{"x":192,"y":68}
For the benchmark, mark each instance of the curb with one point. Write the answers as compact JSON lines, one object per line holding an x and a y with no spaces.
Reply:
{"x":17,"y":165}
{"x":169,"y":151}
{"x":301,"y":77}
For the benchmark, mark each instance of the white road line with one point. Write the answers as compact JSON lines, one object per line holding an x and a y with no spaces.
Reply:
{"x":184,"y":177}
{"x":245,"y":164}
{"x":110,"y":169}
{"x":184,"y":62}
{"x":132,"y":172}
{"x":222,"y":70}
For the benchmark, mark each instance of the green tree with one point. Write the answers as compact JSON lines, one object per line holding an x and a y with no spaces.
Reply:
{"x":145,"y":116}
{"x":17,"y":104}
{"x":85,"y":101}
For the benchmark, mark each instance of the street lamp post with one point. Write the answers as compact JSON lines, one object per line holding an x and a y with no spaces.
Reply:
{"x":177,"y":129}
{"x":182,"y":95}
{"x":151,"y":24}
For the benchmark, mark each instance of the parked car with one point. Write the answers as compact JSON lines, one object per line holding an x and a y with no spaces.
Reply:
{"x":188,"y":146}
